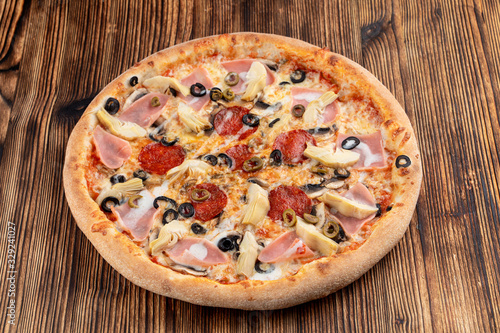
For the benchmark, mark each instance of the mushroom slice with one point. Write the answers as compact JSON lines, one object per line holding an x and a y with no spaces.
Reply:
{"x":191,"y":119}
{"x":346,"y":206}
{"x":134,"y":97}
{"x":314,"y":239}
{"x":162,"y":83}
{"x":190,"y":168}
{"x":316,"y":107}
{"x":121,"y":190}
{"x":321,"y":215}
{"x":188,"y":270}
{"x":340,"y":159}
{"x":249,"y":249}
{"x":169,"y":235}
{"x":256,"y":77}
{"x":123,"y":129}
{"x":262,"y":183}
{"x":258,"y":205}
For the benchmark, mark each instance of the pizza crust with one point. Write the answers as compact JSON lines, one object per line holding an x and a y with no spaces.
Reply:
{"x":313,"y":280}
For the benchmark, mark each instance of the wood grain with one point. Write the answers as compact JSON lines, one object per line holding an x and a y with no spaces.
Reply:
{"x":441,"y":59}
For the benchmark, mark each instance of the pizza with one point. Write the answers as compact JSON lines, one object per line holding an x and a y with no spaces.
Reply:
{"x":245,"y":170}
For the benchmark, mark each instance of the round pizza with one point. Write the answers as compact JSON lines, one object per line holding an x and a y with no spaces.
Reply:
{"x":246,"y":170}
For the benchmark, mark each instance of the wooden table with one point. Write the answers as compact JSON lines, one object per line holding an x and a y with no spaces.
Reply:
{"x":441,"y":59}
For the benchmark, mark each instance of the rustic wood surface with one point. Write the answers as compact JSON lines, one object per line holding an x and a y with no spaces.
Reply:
{"x":441,"y":59}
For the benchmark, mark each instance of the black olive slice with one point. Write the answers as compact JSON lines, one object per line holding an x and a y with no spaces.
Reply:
{"x":215,"y":94}
{"x":225,"y":244}
{"x":106,"y":201}
{"x":273,"y":67}
{"x":166,"y":199}
{"x":112,"y":105}
{"x":341,"y":173}
{"x":271,"y":124}
{"x":134,"y":80}
{"x":263,"y":268}
{"x":276,"y":157}
{"x":198,"y":229}
{"x":186,"y":210}
{"x":169,"y":216}
{"x":319,"y":130}
{"x":341,"y":236}
{"x":198,"y":90}
{"x":312,"y":188}
{"x":403,"y":161}
{"x":210,"y":159}
{"x":141,"y":174}
{"x":388,"y":209}
{"x":166,"y":143}
{"x":284,"y":83}
{"x":117,"y":179}
{"x":173,"y":92}
{"x":379,"y":211}
{"x":262,"y":105}
{"x":350,"y":143}
{"x":298,"y":76}
{"x":226,"y":160}
{"x":251,"y":120}
{"x":235,"y":239}
{"x":298,"y":110}
{"x":335,"y":128}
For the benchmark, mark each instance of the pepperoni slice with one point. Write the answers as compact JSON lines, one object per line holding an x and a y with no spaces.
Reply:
{"x":158,"y":159}
{"x":292,"y":145}
{"x":230,"y":122}
{"x":285,"y":197}
{"x":239,"y":154}
{"x":213,"y":206}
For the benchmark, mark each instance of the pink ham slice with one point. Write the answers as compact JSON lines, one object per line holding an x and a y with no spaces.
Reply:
{"x":286,"y":247}
{"x":370,"y":149}
{"x":142,"y":112}
{"x":241,"y":67}
{"x":192,"y":251}
{"x":112,"y":150}
{"x":358,"y":193}
{"x":138,"y":226}
{"x":305,"y":96}
{"x":199,"y":75}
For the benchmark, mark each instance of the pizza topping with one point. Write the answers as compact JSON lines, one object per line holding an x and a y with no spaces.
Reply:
{"x":134,"y":80}
{"x":169,"y":236}
{"x":251,"y":120}
{"x":132,"y":199}
{"x":238,"y":154}
{"x":284,"y":197}
{"x":112,"y":105}
{"x":169,"y":216}
{"x":106,"y":201}
{"x":286,"y":247}
{"x":284,"y":83}
{"x":124,"y":129}
{"x":348,"y":207}
{"x":229,"y":121}
{"x":319,"y":130}
{"x":256,"y":81}
{"x":167,"y":143}
{"x":190,"y":169}
{"x":340,"y":159}
{"x":225,"y":160}
{"x":228,"y":94}
{"x":314,"y":239}
{"x":331,"y":229}
{"x":198,"y":90}
{"x":242,"y":67}
{"x":314,"y":190}
{"x":370,"y":148}
{"x":226,"y":244}
{"x":158,"y":159}
{"x":318,"y":106}
{"x":320,"y":213}
{"x":262,"y":183}
{"x":162,"y":83}
{"x":403,"y":161}
{"x":257,"y":207}
{"x":263,"y":268}
{"x":342,"y":173}
{"x":319,"y":169}
{"x":141,"y":174}
{"x":199,"y":195}
{"x":298,"y":110}
{"x":232,"y":79}
{"x":309,"y":218}
{"x":112,"y":150}
{"x":253,"y":164}
{"x":191,"y":119}
{"x":210,"y":159}
{"x":298,"y":76}
{"x":289,"y":217}
{"x":350,"y":142}
{"x":146,"y":110}
{"x":271,"y":124}
{"x":186,"y":210}
{"x":191,"y":251}
{"x":292,"y":145}
{"x":117,"y":179}
{"x":211,"y":207}
{"x":197,"y":229}
{"x":215,"y":94}
{"x":170,"y":202}
{"x":249,"y":249}
{"x":276,"y":157}
{"x":121,"y":190}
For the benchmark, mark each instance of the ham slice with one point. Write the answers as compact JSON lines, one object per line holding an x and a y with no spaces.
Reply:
{"x":370,"y":148}
{"x":199,"y":75}
{"x":286,"y":247}
{"x":112,"y":150}
{"x":142,"y":112}
{"x":241,"y":67}
{"x":358,"y":193}
{"x":305,"y":96}
{"x":137,"y":221}
{"x":192,"y":251}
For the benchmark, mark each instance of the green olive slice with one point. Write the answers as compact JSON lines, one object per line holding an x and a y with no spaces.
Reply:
{"x":200,"y":194}
{"x":311,"y":218}
{"x":215,"y":94}
{"x":298,"y":110}
{"x":155,"y":101}
{"x":232,"y":79}
{"x":289,"y":217}
{"x":331,"y":229}
{"x":131,"y":200}
{"x":253,"y":164}
{"x":228,"y":94}
{"x":319,"y":169}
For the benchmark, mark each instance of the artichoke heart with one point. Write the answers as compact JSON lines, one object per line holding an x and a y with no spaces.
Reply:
{"x":121,"y":190}
{"x":249,"y":251}
{"x":191,"y":119}
{"x":316,"y":107}
{"x":347,"y":207}
{"x":314,"y":239}
{"x":340,"y":159}
{"x":190,"y":168}
{"x":169,"y":235}
{"x":123,"y":129}
{"x":256,"y":77}
{"x":258,"y":205}
{"x":162,"y":83}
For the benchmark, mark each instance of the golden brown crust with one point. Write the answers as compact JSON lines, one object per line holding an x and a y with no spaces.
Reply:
{"x":316,"y":279}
